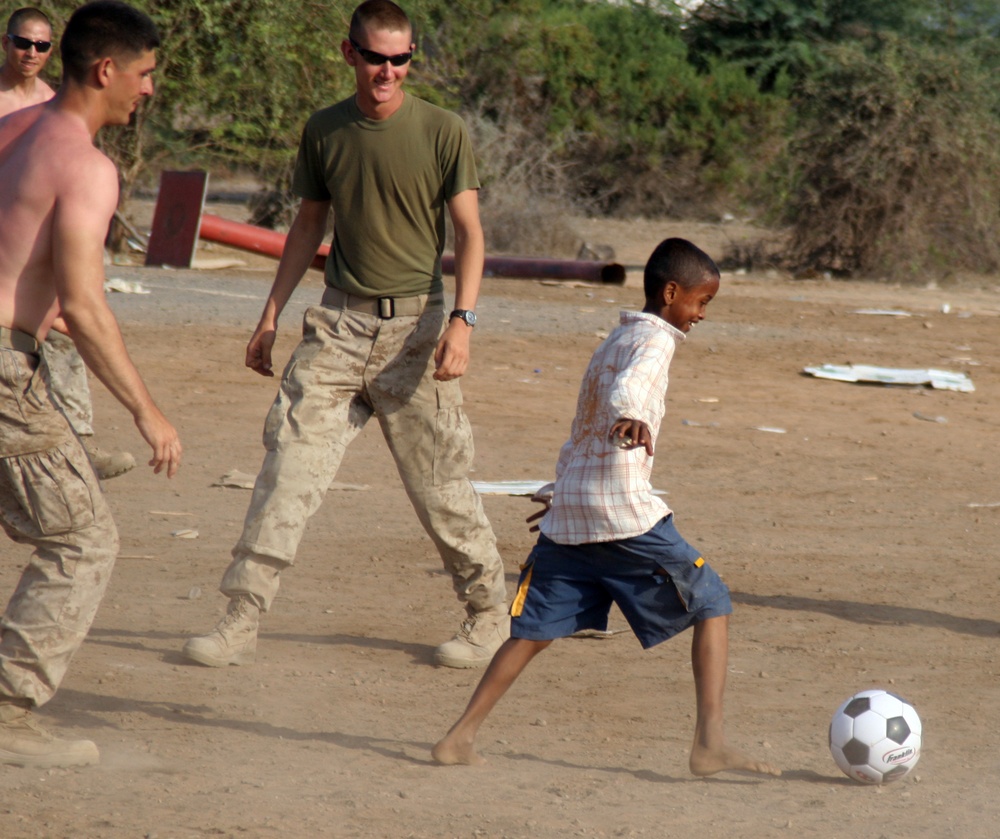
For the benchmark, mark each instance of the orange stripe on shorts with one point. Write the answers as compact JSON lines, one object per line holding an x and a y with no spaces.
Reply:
{"x":522,"y":593}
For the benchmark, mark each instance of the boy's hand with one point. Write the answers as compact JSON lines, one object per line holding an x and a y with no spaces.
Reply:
{"x":631,"y":434}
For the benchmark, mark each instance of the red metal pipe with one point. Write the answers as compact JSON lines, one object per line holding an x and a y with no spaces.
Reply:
{"x":248,"y":237}
{"x":271,"y":243}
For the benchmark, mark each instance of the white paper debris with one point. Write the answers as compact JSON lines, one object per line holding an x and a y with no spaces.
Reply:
{"x":518,"y":488}
{"x":937,"y":379}
{"x":216,"y":264}
{"x":895,"y":313}
{"x":236,"y":479}
{"x":125,"y":286}
{"x":597,"y":633}
{"x":342,"y":487}
{"x":528,"y":488}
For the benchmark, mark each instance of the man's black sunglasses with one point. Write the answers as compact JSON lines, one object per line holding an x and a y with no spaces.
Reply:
{"x":376,"y":58}
{"x":27,"y":43}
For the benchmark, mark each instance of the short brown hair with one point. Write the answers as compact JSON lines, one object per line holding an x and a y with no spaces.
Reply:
{"x":379,"y":14}
{"x":104,"y":28}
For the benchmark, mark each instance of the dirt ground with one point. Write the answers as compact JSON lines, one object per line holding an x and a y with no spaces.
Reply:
{"x":859,"y":542}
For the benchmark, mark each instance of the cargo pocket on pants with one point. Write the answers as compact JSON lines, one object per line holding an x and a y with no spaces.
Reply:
{"x":53,"y":489}
{"x":453,"y":446}
{"x":696,"y":583}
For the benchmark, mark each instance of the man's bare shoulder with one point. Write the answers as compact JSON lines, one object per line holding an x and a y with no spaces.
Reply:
{"x":43,"y":136}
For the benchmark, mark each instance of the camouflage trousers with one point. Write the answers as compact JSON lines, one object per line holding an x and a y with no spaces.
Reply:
{"x":49,"y":499}
{"x":349,"y":367}
{"x":68,"y":382}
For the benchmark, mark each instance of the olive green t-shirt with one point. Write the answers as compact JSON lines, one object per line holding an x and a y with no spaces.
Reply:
{"x":388,"y":182}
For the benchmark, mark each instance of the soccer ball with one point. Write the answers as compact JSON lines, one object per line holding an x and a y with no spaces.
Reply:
{"x":875,"y":737}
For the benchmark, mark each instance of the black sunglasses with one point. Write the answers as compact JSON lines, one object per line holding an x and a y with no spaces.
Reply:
{"x":27,"y":43}
{"x":376,"y":58}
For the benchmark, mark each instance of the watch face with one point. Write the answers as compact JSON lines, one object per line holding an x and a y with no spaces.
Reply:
{"x":465,"y":314}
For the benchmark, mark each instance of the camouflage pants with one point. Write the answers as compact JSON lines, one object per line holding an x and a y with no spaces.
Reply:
{"x":68,"y":382}
{"x":49,"y":499}
{"x":349,"y":367}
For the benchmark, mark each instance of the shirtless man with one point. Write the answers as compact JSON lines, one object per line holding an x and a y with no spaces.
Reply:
{"x":27,"y":46}
{"x":59,"y":194}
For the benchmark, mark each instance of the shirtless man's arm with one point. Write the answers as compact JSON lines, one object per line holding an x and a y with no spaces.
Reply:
{"x":82,"y":213}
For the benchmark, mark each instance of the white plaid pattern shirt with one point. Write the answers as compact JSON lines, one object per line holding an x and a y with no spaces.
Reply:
{"x":602,"y":493}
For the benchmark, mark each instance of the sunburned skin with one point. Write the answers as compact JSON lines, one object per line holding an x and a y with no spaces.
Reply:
{"x":56,"y":159}
{"x":59,"y":196}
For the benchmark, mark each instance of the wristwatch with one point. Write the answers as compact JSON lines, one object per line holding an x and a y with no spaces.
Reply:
{"x":467,"y":315}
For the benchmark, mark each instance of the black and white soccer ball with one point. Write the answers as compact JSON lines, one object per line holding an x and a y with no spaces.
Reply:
{"x":875,"y":737}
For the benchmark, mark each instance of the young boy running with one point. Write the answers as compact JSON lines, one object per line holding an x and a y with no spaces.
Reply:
{"x":606,"y":538}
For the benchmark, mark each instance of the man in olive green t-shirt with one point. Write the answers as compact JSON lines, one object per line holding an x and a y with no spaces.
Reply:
{"x":387,"y":165}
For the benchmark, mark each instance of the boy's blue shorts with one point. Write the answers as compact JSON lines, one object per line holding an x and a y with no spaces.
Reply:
{"x":661,"y":584}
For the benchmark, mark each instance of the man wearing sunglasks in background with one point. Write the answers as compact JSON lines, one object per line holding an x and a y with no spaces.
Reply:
{"x":27,"y":46}
{"x":381,"y":344}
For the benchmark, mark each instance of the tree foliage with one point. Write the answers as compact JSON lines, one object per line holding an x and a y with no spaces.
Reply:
{"x":866,"y":126}
{"x":772,"y":37}
{"x":900,"y":169}
{"x":610,"y":88}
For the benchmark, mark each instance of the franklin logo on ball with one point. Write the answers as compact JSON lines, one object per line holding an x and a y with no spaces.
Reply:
{"x":899,"y":756}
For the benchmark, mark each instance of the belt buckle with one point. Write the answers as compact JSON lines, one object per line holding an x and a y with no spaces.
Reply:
{"x":386,"y":308}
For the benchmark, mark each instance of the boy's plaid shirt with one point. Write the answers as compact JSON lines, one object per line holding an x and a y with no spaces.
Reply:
{"x":602,"y":492}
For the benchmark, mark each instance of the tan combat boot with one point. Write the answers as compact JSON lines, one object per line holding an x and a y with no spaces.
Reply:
{"x":233,"y":641}
{"x":479,"y":637}
{"x":107,"y":464}
{"x":23,"y":742}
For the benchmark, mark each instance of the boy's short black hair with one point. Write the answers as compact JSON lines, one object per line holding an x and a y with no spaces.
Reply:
{"x":677,"y":260}
{"x":101,"y":29}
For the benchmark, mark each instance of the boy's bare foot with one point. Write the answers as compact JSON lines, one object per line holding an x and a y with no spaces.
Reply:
{"x":706,"y":761}
{"x":450,"y":752}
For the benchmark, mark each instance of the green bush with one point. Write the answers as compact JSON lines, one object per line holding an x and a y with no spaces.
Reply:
{"x":609,"y":91}
{"x":899,"y":168}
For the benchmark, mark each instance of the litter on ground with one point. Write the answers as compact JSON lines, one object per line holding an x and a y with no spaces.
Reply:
{"x":937,"y":379}
{"x":895,"y":313}
{"x":526,"y":488}
{"x":124,"y":286}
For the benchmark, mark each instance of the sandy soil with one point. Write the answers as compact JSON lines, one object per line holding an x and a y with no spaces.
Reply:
{"x":859,"y":544}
